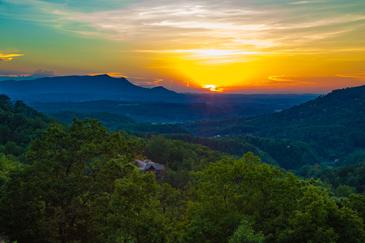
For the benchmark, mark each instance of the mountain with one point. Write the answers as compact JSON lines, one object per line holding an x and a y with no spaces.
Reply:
{"x":82,"y":88}
{"x":102,"y":93}
{"x":334,"y":124}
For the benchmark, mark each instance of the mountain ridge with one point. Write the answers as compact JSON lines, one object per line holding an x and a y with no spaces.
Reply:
{"x":81,"y":88}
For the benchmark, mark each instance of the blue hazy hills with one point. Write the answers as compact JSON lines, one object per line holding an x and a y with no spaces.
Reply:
{"x":102,"y":93}
{"x":83,"y":88}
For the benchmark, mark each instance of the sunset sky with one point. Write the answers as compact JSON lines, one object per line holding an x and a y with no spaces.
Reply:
{"x":267,"y":46}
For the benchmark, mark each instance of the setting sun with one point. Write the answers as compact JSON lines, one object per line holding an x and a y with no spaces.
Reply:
{"x":212,"y":88}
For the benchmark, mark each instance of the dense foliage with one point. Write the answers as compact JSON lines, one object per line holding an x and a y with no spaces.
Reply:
{"x":79,"y":183}
{"x":19,"y":124}
{"x":280,"y":206}
{"x":286,"y":153}
{"x":343,"y":179}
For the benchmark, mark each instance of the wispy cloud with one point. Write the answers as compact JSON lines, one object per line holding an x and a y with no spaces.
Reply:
{"x":281,"y":78}
{"x":9,"y":56}
{"x":306,"y":2}
{"x":219,"y":24}
{"x":337,"y":81}
{"x":300,"y":2}
{"x":15,"y":75}
{"x":356,"y":76}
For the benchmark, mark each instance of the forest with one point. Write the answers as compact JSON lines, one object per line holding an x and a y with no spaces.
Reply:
{"x":79,"y":183}
{"x":186,"y":121}
{"x":332,"y":125}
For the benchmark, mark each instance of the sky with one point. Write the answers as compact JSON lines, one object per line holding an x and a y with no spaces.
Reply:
{"x":235,"y":46}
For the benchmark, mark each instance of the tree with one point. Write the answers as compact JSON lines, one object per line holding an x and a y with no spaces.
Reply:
{"x":245,"y":234}
{"x":19,"y":125}
{"x":52,"y":199}
{"x":280,"y":205}
{"x":132,"y":211}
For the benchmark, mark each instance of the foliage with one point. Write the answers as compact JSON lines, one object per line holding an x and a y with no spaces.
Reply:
{"x":19,"y":125}
{"x":179,"y":157}
{"x":283,"y":207}
{"x":245,"y":234}
{"x":352,"y":175}
{"x":7,"y":167}
{"x":79,"y":184}
{"x":284,"y":152}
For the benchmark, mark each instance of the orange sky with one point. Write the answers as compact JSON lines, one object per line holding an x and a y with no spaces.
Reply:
{"x":232,"y":46}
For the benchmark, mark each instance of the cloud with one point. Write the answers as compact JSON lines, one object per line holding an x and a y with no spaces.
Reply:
{"x":306,"y":2}
{"x":354,"y":76}
{"x":84,"y":6}
{"x":212,"y":56}
{"x":313,"y":82}
{"x":9,"y":56}
{"x":15,"y":75}
{"x":215,"y":32}
{"x":216,"y":24}
{"x":299,"y":2}
{"x":281,"y":79}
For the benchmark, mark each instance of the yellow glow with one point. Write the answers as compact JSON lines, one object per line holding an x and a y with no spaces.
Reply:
{"x":215,"y":52}
{"x":111,"y":74}
{"x":212,"y":88}
{"x":200,"y":67}
{"x":9,"y":57}
{"x":268,"y":71}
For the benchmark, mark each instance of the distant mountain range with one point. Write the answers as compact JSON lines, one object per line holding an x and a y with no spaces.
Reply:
{"x":83,"y":88}
{"x":333,"y":123}
{"x":102,"y":93}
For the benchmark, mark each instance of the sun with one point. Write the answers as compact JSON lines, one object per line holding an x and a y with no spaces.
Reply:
{"x":215,"y":70}
{"x":213,"y":88}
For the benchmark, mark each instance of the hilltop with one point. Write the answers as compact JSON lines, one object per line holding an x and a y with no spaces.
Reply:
{"x":83,"y":88}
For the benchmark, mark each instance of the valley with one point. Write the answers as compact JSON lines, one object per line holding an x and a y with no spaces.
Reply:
{"x":216,"y":153}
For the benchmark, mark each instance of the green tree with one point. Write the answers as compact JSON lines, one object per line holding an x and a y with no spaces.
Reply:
{"x":132,"y":212}
{"x":72,"y":170}
{"x":281,"y":206}
{"x":245,"y":234}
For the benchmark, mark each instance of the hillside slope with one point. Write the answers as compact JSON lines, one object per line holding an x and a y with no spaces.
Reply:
{"x":19,"y":124}
{"x":334,"y":123}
